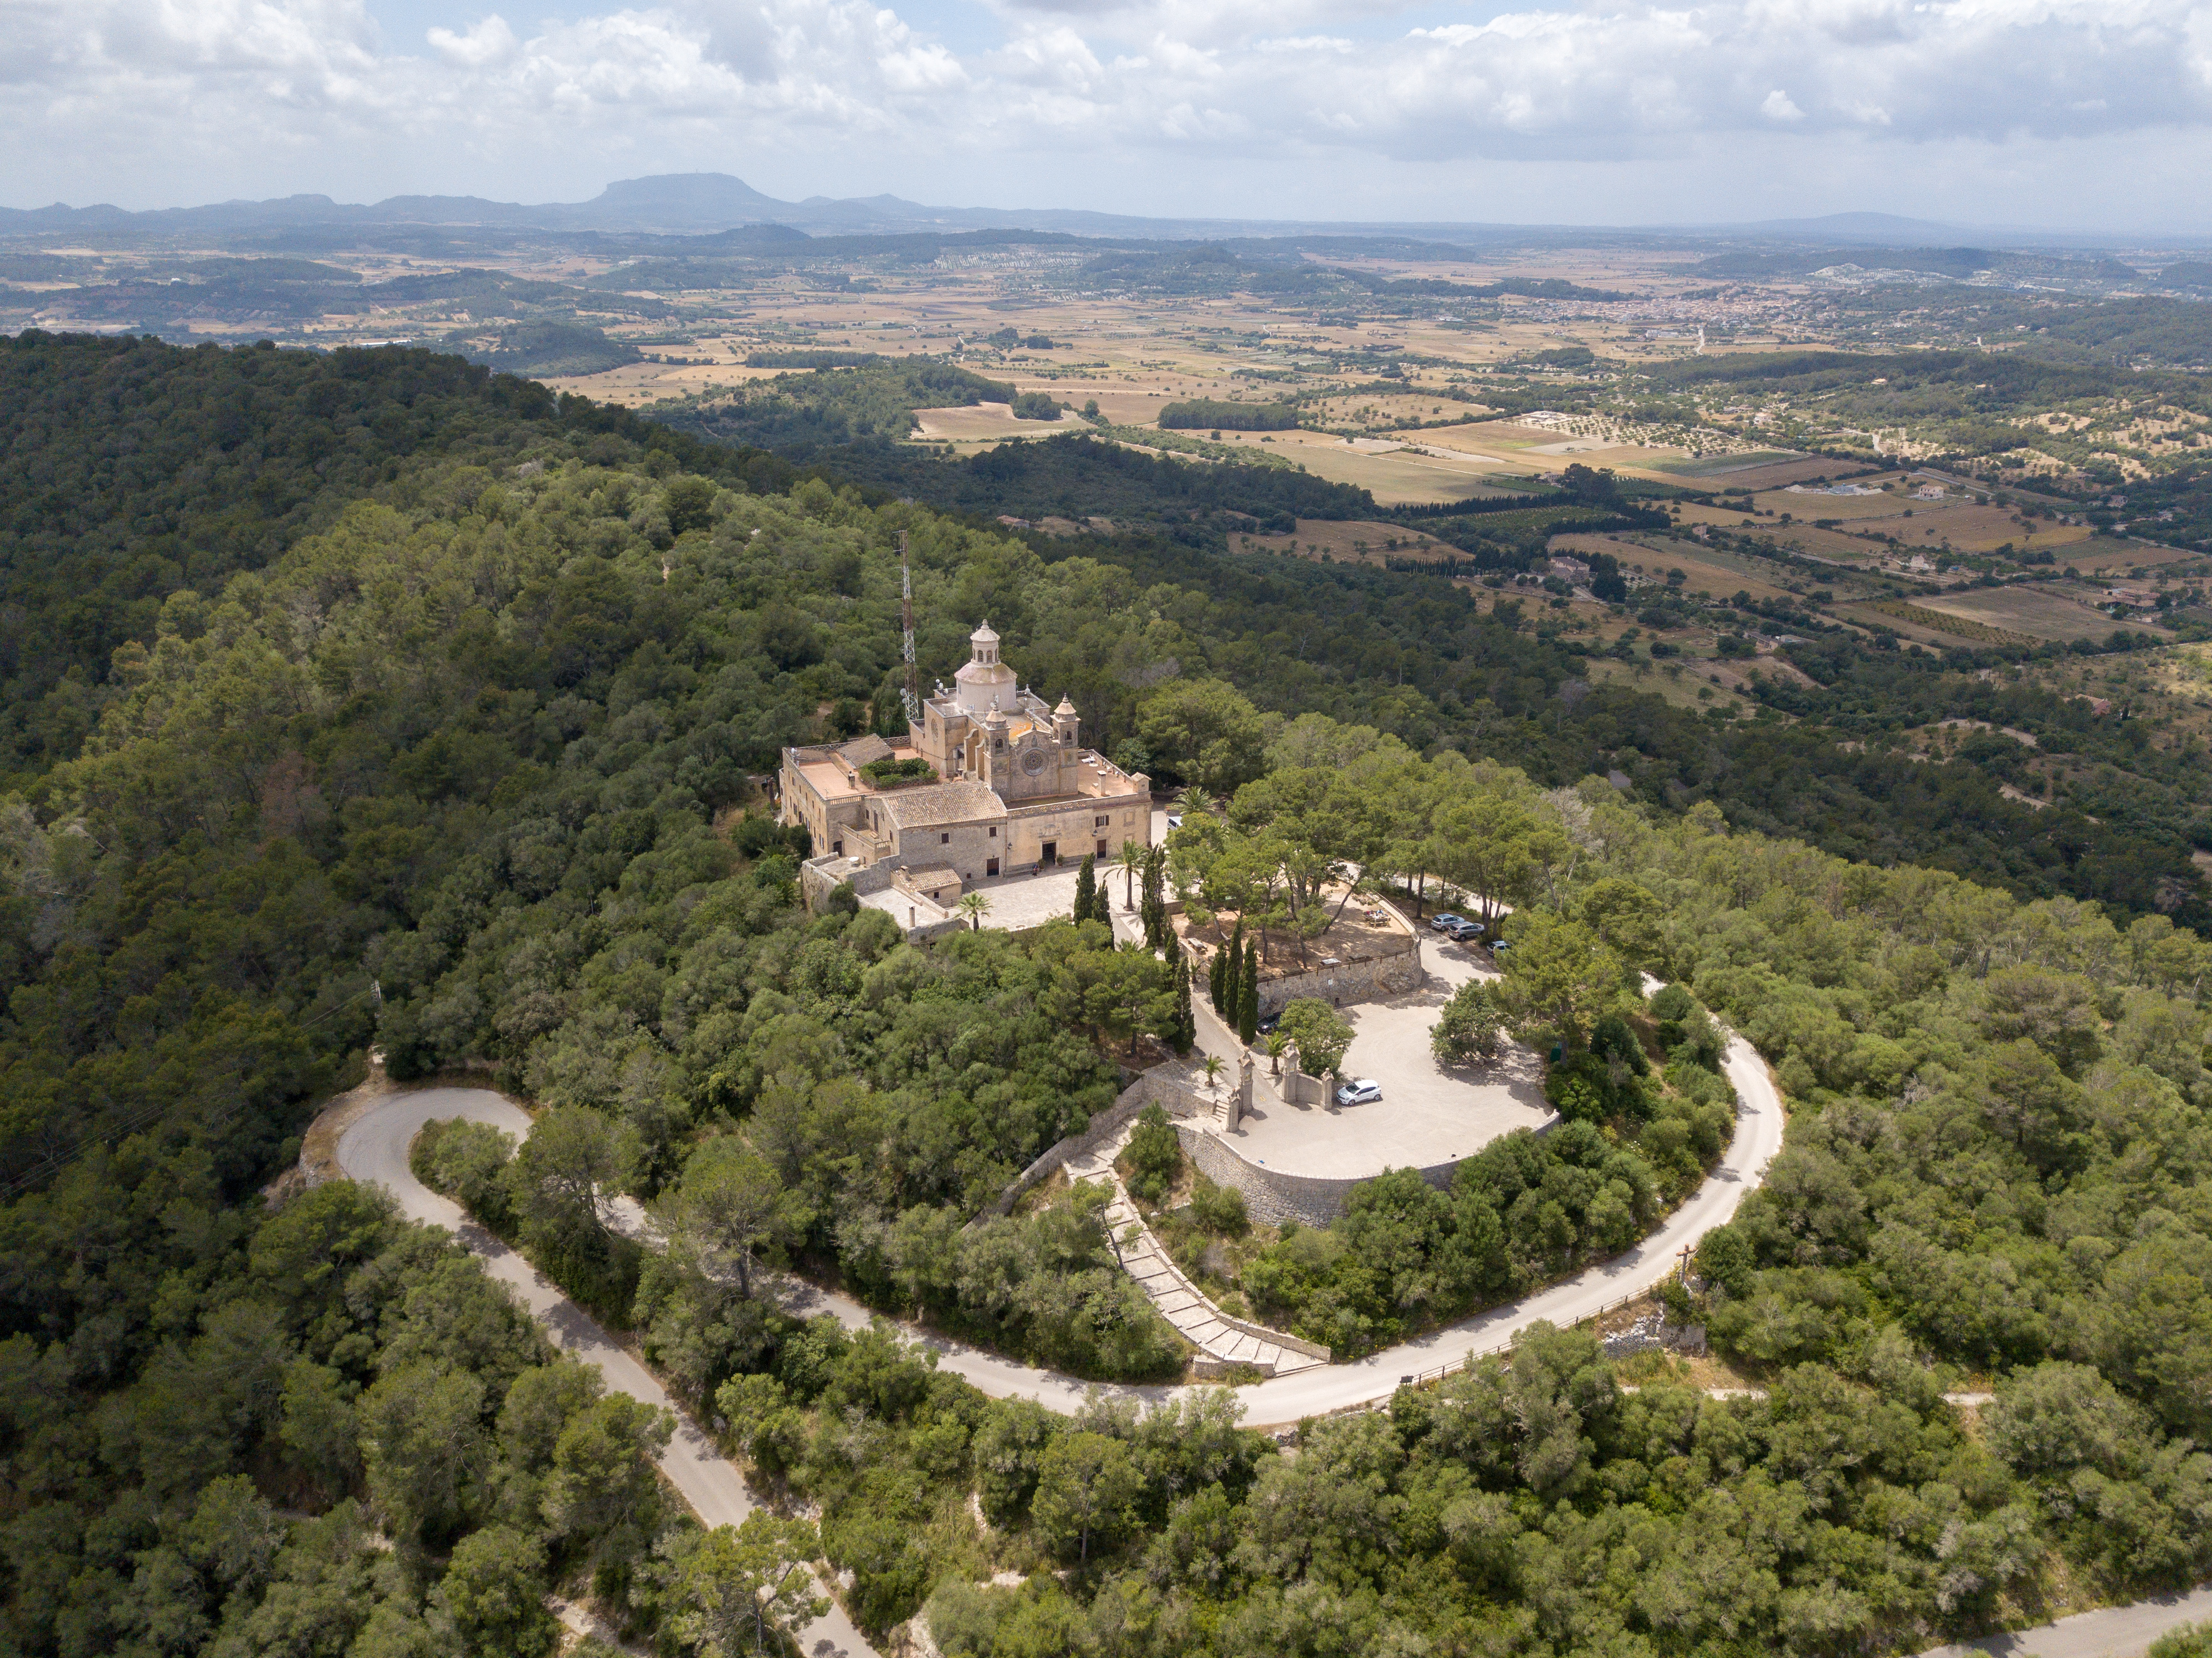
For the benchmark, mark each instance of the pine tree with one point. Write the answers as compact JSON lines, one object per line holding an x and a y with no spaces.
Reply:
{"x":1086,"y":889}
{"x":1186,"y":1025}
{"x":1247,"y":1002}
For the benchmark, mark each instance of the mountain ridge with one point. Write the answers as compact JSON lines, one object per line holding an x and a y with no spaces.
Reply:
{"x":694,"y":204}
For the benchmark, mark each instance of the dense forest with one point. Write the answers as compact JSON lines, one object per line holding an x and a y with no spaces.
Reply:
{"x":445,"y":741}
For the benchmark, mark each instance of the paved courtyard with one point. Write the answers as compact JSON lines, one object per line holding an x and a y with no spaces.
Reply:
{"x":1017,"y":902}
{"x":1427,"y":1114}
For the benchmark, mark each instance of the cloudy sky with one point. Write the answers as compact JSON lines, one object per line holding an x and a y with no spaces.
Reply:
{"x":2062,"y":113}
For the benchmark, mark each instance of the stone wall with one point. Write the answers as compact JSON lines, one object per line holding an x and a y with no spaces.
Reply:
{"x":1153,"y":1088}
{"x":1271,"y":1196}
{"x":1396,"y":970}
{"x":1394,"y":973}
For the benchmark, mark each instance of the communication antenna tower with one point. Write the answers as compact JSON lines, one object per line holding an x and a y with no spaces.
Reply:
{"x":911,"y":696}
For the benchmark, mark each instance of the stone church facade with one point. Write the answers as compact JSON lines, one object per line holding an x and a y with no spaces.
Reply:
{"x":1015,"y":790}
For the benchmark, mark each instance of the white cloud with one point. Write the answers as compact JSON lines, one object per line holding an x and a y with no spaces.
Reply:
{"x":491,"y":42}
{"x":194,"y":99}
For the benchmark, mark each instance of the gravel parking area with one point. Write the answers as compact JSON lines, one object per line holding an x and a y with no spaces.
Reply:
{"x":1427,"y":1115}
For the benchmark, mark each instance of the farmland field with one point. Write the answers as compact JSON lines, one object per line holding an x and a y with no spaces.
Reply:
{"x":2023,"y":608}
{"x":1358,"y":541}
{"x":1726,"y":471}
{"x":1720,"y":574}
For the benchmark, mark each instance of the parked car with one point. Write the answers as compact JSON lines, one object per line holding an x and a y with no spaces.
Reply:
{"x":1363,"y":1090}
{"x":1465,"y":931}
{"x":1269,"y":1022}
{"x":1175,"y":820}
{"x":1445,"y":922}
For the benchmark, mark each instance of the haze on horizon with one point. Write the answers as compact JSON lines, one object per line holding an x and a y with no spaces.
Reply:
{"x":2057,"y":114}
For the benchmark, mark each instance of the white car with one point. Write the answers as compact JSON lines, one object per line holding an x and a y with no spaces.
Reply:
{"x":1361,"y":1091}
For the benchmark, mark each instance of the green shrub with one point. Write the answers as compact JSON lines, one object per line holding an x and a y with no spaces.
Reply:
{"x":465,"y":1161}
{"x":883,"y":772}
{"x":1470,"y":1028}
{"x":1154,"y":1157}
{"x":1219,"y":1209}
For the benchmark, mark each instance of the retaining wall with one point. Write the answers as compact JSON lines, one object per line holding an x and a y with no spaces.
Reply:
{"x":1149,"y":1089}
{"x":1271,"y":1196}
{"x":1395,"y":971}
{"x":1392,"y":974}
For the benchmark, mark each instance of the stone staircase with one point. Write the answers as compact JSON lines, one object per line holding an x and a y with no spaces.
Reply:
{"x":1223,"y":1340}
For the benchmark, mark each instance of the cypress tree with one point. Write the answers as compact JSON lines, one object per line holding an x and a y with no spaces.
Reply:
{"x":1230,"y":964}
{"x":1086,"y":889}
{"x":1247,"y":1002}
{"x":1102,"y":905}
{"x":1186,"y":1025}
{"x":1157,"y":933}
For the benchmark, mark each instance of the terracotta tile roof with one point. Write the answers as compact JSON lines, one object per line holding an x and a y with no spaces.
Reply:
{"x":965,"y":802}
{"x":865,"y":751}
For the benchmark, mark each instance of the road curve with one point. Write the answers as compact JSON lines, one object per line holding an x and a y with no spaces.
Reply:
{"x":1757,"y":1138}
{"x":373,"y":1149}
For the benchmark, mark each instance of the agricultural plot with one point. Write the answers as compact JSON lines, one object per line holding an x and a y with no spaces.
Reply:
{"x":1364,"y":541}
{"x":983,"y":424}
{"x":1394,"y":474}
{"x":2108,"y":555}
{"x":1705,"y":569}
{"x":2028,"y":609}
{"x":1746,"y":471}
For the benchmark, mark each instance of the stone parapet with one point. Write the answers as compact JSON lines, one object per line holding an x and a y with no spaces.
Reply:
{"x":1271,"y":1196}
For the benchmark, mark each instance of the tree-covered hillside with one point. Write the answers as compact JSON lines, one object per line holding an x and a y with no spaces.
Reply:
{"x":129,"y":469}
{"x":481,"y":735}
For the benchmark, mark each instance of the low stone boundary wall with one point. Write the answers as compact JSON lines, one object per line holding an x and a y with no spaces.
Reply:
{"x":1272,"y":1196}
{"x":1149,"y":1089}
{"x":1245,"y":1326}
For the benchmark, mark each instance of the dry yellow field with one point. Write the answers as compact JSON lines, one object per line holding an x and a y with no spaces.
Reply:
{"x":2106,"y":555}
{"x":983,"y":424}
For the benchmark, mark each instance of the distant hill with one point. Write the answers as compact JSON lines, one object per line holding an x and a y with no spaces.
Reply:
{"x":699,"y":203}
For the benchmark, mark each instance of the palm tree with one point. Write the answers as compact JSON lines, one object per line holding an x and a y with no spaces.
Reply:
{"x":1191,"y":798}
{"x":1213,"y":1069}
{"x":1131,"y":858}
{"x":974,"y":905}
{"x":1276,"y":1045}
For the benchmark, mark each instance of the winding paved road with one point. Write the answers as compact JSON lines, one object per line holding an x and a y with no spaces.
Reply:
{"x":374,"y":1149}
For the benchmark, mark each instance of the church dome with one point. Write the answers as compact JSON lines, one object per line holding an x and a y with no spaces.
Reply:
{"x":984,"y":679}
